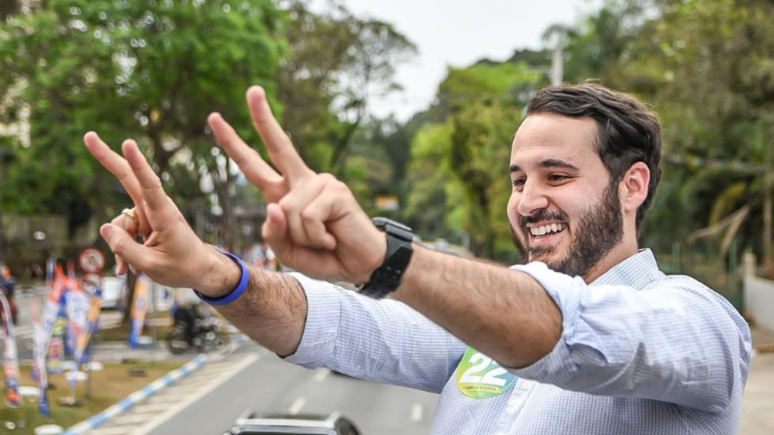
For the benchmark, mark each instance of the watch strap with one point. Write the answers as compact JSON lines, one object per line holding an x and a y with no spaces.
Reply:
{"x":387,"y":278}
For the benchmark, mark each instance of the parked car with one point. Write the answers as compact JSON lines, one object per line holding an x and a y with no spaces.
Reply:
{"x":275,"y":424}
{"x":113,"y":292}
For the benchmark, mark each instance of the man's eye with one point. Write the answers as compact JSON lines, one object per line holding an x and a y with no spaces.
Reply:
{"x":557,"y":177}
{"x":518,"y":182}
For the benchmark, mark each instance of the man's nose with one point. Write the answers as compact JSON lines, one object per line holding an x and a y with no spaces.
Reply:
{"x":532,"y":199}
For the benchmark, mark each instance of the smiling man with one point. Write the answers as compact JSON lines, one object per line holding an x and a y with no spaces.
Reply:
{"x":587,"y":337}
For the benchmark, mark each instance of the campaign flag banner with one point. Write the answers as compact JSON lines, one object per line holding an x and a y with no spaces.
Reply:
{"x":73,"y":286}
{"x":56,"y":345}
{"x":53,"y":303}
{"x":10,"y":359}
{"x":50,"y":270}
{"x":139,"y":309}
{"x":92,"y":319}
{"x":56,"y":354}
{"x":78,"y":306}
{"x":39,"y":373}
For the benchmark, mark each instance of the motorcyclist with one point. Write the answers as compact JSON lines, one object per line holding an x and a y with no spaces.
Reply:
{"x":189,"y":315}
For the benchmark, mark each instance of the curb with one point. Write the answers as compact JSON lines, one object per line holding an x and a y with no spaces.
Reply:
{"x":137,"y":397}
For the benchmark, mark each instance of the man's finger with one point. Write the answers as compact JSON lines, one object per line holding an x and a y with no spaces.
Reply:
{"x":119,"y":167}
{"x":302,"y":230}
{"x":257,"y":171}
{"x":123,"y":246}
{"x":155,"y":199}
{"x":280,"y":148}
{"x":275,"y":231}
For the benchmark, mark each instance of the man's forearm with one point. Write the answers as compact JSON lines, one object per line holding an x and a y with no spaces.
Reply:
{"x":272,"y":311}
{"x":503,"y":313}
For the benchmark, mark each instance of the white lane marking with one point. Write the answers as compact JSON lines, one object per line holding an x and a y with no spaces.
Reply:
{"x":416,"y":413}
{"x":295,"y":408}
{"x":321,"y":375}
{"x":236,"y":368}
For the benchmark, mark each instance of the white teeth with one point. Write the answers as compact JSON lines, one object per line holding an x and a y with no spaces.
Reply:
{"x":546,"y":229}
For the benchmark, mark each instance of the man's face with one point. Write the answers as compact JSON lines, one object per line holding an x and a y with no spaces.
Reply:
{"x":563,"y":209}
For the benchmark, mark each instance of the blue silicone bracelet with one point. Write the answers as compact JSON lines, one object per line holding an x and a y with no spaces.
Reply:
{"x":237,"y":292}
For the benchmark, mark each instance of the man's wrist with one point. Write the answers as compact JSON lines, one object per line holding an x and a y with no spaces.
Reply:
{"x":225,"y":275}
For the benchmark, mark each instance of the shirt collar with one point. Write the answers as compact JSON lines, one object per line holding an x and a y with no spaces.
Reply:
{"x":637,"y":271}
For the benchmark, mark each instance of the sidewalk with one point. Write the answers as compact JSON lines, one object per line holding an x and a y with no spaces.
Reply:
{"x":758,"y":404}
{"x":762,"y":339}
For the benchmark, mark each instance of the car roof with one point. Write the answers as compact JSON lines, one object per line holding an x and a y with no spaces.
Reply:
{"x":286,"y":423}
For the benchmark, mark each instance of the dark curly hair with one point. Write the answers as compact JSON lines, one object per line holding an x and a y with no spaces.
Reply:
{"x":628,"y":132}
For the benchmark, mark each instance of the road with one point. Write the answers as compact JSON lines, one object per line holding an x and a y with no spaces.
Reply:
{"x":271,"y":385}
{"x":268,"y":384}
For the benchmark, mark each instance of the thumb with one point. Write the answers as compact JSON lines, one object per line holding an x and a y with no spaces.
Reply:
{"x":122,"y":244}
{"x":275,"y":230}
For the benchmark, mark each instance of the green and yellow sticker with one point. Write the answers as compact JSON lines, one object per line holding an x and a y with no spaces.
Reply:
{"x":479,"y":377}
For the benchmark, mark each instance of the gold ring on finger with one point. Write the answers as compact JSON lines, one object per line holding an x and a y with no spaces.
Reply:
{"x":130,"y":212}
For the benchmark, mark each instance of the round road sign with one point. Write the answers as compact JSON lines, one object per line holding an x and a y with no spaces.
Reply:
{"x":92,"y":260}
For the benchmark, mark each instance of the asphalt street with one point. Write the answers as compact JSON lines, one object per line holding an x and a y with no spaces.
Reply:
{"x":272,"y":385}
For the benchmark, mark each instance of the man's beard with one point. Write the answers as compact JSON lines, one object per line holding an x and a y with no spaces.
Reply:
{"x":599,"y":230}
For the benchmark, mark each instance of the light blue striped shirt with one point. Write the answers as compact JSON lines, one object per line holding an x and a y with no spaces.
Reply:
{"x":640,"y":353}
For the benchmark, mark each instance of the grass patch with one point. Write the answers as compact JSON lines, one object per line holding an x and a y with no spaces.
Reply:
{"x":108,"y":386}
{"x":161,"y":322}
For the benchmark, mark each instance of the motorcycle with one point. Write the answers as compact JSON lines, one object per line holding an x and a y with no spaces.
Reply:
{"x":206,"y":338}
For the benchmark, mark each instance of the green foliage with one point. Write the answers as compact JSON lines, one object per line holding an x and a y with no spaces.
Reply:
{"x":337,"y":62}
{"x":459,"y":168}
{"x":151,"y":70}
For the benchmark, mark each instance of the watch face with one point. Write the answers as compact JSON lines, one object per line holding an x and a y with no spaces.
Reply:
{"x":396,"y":229}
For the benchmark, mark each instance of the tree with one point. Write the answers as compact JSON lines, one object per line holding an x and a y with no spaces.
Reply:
{"x":712,"y":78}
{"x":154,"y":68}
{"x":336,"y":63}
{"x":460,"y":164}
{"x":8,"y":8}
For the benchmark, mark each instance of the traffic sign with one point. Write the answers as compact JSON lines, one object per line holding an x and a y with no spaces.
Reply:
{"x":92,"y":260}
{"x":93,"y":279}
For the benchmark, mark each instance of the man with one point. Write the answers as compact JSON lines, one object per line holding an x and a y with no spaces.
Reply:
{"x":588,"y":338}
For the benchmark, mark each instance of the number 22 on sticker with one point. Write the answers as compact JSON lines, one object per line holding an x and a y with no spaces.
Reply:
{"x":473,"y":375}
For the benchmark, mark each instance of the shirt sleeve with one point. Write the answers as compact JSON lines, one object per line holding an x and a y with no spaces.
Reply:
{"x":383,"y":341}
{"x":674,"y":341}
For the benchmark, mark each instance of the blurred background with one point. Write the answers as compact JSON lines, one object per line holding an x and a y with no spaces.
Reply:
{"x":413,"y":104}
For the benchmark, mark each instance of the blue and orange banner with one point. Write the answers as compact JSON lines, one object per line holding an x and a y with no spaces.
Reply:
{"x":139,"y":309}
{"x":92,"y":319}
{"x":11,"y":375}
{"x":78,"y":307}
{"x":53,"y":324}
{"x":39,"y":372}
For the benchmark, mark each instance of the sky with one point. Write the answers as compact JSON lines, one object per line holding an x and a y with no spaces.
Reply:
{"x":458,"y":33}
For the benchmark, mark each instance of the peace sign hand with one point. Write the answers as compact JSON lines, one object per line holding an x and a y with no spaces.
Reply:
{"x":171,"y":253}
{"x":314,"y":223}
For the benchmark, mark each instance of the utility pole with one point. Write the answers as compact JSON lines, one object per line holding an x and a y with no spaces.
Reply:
{"x":557,"y":61}
{"x":556,"y":34}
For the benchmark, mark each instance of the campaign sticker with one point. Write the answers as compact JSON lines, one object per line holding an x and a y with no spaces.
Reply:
{"x":479,"y":377}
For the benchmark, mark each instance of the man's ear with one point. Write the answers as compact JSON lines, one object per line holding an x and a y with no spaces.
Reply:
{"x":634,"y":186}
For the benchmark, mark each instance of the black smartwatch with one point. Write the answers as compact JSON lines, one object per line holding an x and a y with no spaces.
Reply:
{"x":386,"y":279}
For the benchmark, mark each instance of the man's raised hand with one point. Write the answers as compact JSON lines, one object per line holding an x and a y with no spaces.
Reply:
{"x":171,"y":253}
{"x":314,"y":223}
